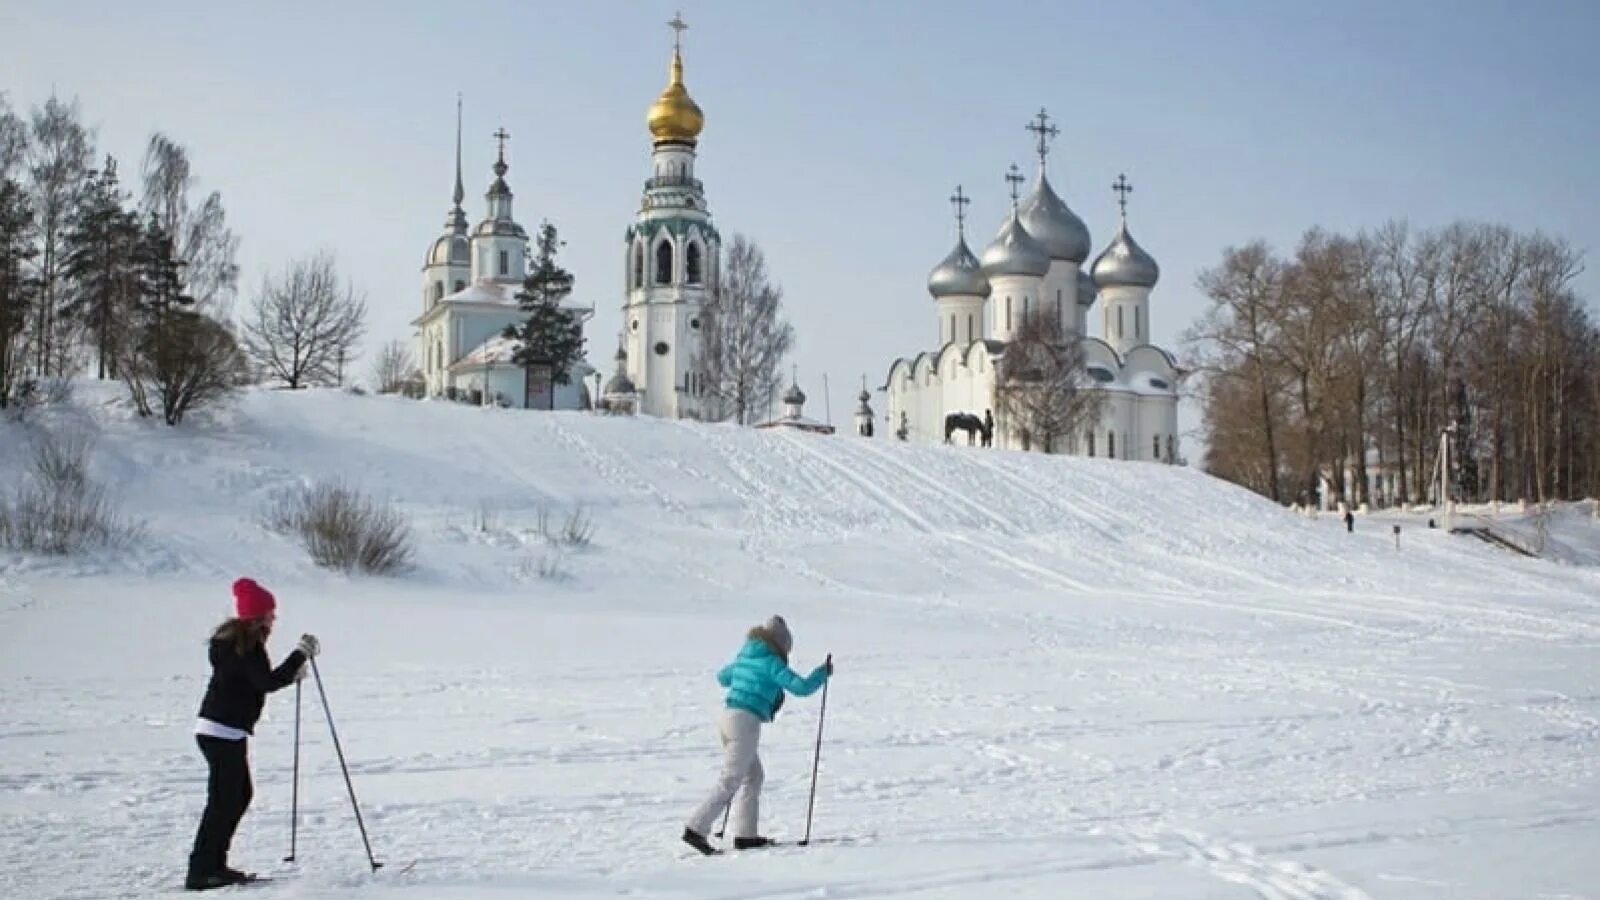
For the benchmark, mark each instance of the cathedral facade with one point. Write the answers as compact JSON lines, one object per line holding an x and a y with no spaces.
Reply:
{"x":470,"y":279}
{"x":1035,"y":266}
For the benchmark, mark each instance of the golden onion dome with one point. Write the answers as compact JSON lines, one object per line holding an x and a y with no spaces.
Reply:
{"x":675,"y":116}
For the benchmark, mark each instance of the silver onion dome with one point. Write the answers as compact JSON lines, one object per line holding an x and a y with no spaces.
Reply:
{"x":450,"y":250}
{"x":1125,"y":264}
{"x":1015,"y":252}
{"x":959,"y":275}
{"x":794,"y":396}
{"x":1086,"y":289}
{"x":620,"y":383}
{"x":503,"y":227}
{"x":1056,"y":227}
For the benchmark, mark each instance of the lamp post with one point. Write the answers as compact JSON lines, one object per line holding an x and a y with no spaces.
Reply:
{"x":1444,"y":476}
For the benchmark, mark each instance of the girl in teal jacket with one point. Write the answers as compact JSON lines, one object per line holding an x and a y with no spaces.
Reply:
{"x":756,"y":681}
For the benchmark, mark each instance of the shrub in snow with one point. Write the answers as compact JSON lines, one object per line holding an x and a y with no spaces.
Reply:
{"x":575,"y":531}
{"x":343,"y":529}
{"x":32,"y":393}
{"x":551,"y":566}
{"x":58,"y":508}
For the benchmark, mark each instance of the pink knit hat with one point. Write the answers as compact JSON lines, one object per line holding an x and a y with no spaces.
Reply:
{"x":251,"y":600}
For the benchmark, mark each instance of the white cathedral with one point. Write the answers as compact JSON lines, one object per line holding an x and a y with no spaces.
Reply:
{"x":1034,"y":266}
{"x":671,"y":254}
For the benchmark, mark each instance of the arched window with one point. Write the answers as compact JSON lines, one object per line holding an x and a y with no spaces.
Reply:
{"x":952,"y":326}
{"x":1111,"y":444}
{"x":691,"y":265}
{"x":1090,"y":439}
{"x":969,"y":328}
{"x":664,"y":262}
{"x":505,"y":263}
{"x":1119,"y":328}
{"x":1008,"y":313}
{"x":1137,"y":326}
{"x":638,"y":264}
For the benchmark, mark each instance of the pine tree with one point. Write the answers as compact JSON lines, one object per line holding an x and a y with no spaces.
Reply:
{"x":101,"y":259}
{"x":19,"y":291}
{"x":551,"y":337}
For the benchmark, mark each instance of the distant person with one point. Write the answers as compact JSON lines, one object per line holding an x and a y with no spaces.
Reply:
{"x":755,"y":680}
{"x":241,"y":678}
{"x":988,"y":427}
{"x":1349,"y":521}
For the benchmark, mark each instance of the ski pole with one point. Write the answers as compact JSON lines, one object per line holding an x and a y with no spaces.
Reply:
{"x":726,"y":812}
{"x":342,"y":767}
{"x":294,"y":801}
{"x":816,"y":759}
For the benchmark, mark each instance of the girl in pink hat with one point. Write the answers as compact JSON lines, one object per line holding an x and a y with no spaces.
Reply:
{"x":241,"y":678}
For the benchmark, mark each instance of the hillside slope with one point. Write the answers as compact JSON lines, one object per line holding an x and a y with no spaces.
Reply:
{"x":1057,"y":677}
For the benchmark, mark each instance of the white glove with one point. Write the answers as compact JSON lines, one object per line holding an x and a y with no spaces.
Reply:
{"x":309,"y":646}
{"x":300,"y":673}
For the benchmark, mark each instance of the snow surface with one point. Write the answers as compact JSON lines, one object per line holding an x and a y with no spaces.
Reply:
{"x":1057,"y":678}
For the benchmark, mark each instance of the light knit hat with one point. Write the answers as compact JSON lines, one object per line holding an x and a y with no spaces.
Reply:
{"x":779,"y":630}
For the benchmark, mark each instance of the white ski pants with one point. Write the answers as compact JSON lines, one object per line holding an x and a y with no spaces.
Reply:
{"x":741,"y":775}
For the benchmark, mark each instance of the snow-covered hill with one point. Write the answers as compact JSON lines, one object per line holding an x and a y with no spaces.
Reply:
{"x":1057,"y":678}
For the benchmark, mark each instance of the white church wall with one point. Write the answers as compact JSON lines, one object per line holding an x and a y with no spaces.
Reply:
{"x":1059,"y":293}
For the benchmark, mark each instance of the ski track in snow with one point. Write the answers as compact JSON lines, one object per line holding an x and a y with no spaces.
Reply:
{"x":1058,"y":678}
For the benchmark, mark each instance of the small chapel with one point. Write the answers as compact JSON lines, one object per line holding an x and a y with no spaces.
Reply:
{"x":470,"y":281}
{"x":1035,"y":266}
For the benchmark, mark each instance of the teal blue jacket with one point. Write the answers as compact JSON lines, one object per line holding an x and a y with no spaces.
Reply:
{"x":757,"y":678}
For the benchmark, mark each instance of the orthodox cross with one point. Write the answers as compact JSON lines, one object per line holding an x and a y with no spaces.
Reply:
{"x":1015,"y":177}
{"x":960,"y":201}
{"x":1043,"y":131}
{"x":678,"y":26}
{"x":1123,"y":189}
{"x":502,"y":135}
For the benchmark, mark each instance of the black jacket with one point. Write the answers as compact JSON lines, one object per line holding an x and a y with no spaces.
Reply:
{"x":240,"y":684}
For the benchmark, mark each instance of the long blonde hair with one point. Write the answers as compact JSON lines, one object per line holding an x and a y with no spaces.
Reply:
{"x":244,"y":634}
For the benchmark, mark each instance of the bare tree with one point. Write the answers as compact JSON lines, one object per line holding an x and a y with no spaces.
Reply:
{"x":1395,"y":342}
{"x":394,"y":366}
{"x":1236,"y":336}
{"x":204,"y":242}
{"x":746,"y":338}
{"x":304,"y":323}
{"x":18,"y":286}
{"x":1042,"y":391}
{"x":59,"y":168}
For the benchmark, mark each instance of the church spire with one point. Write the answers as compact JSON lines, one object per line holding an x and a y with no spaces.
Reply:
{"x":456,"y":222}
{"x":499,"y":195}
{"x":460,"y":193}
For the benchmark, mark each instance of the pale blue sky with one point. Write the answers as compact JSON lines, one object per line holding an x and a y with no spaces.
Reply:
{"x":835,"y":131}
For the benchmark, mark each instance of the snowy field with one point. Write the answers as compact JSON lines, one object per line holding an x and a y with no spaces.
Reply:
{"x":1056,"y":678}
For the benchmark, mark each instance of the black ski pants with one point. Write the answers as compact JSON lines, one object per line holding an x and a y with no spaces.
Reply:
{"x":228,"y":793}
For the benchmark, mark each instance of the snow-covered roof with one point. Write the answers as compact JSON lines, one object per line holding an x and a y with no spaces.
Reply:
{"x":485,"y":291}
{"x":799,"y":423}
{"x":499,"y":351}
{"x":496,"y":350}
